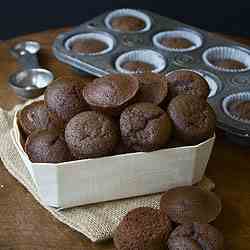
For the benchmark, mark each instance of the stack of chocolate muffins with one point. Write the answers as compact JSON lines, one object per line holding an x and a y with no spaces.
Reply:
{"x":117,"y":114}
{"x":181,"y":223}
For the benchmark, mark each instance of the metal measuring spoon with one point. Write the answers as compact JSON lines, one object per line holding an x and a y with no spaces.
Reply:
{"x":31,"y":80}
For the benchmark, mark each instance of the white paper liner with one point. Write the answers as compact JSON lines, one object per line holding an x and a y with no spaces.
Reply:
{"x":190,"y":35}
{"x":238,"y":97}
{"x":128,"y":12}
{"x":212,"y":81}
{"x":101,"y":36}
{"x":224,"y":52}
{"x":147,"y":56}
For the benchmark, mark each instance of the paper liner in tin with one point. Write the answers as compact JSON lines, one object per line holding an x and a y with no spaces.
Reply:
{"x":101,"y":36}
{"x":147,"y":56}
{"x":190,"y":35}
{"x":128,"y":12}
{"x":227,"y":53}
{"x":235,"y":98}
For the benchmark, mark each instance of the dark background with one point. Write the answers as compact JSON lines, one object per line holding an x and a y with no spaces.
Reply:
{"x":19,"y":17}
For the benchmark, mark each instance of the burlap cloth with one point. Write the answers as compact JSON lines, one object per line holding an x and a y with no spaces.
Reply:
{"x":96,"y":221}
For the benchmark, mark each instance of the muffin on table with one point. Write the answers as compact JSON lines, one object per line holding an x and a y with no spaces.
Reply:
{"x":142,"y":228}
{"x":190,"y":204}
{"x":195,"y":236}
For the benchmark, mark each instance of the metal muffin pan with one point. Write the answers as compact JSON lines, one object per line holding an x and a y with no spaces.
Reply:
{"x":101,"y":64}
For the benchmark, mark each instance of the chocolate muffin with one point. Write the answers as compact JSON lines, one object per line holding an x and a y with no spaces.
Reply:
{"x":187,"y":82}
{"x":229,"y":64}
{"x":241,"y":110}
{"x":153,"y":88}
{"x":195,"y":236}
{"x":127,"y":23}
{"x":145,"y":127}
{"x":88,"y":46}
{"x":91,"y":134}
{"x":190,"y":204}
{"x":111,"y":93}
{"x":64,"y":100}
{"x":47,"y":146}
{"x":138,"y":66}
{"x":176,"y":42}
{"x":35,"y":117}
{"x":142,"y":228}
{"x":193,"y":119}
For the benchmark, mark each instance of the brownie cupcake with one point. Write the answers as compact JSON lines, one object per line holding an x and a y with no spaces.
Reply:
{"x":64,"y":100}
{"x":145,"y":127}
{"x":193,"y":119}
{"x":176,"y":42}
{"x":127,"y":23}
{"x":187,"y":82}
{"x":195,"y":236}
{"x":240,"y":109}
{"x":142,"y":228}
{"x":229,"y":64}
{"x":111,"y":93}
{"x":153,"y":88}
{"x":88,"y":46}
{"x":35,"y":117}
{"x":47,"y":146}
{"x":138,"y":66}
{"x":190,"y":204}
{"x":91,"y":134}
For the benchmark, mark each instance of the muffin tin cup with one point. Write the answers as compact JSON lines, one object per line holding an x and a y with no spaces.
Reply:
{"x":226,"y":52}
{"x":128,"y":12}
{"x":101,"y":36}
{"x":235,"y":98}
{"x":146,"y":56}
{"x":190,"y":35}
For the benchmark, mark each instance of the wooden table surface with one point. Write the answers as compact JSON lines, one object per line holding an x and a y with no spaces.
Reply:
{"x":25,"y":225}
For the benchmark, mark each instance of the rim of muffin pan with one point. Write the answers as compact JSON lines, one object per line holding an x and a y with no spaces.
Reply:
{"x":237,"y":53}
{"x":188,"y":34}
{"x":128,"y":12}
{"x":104,"y":37}
{"x":143,"y":55}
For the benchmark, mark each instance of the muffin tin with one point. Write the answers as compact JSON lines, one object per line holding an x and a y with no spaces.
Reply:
{"x":144,"y":45}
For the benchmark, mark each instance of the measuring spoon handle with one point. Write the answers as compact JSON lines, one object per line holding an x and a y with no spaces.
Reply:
{"x":27,"y":60}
